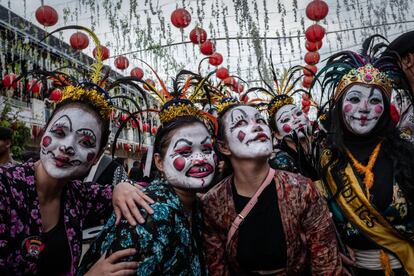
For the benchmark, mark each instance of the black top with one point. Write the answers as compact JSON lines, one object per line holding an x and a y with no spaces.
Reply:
{"x":55,"y":258}
{"x":381,"y":191}
{"x":261,"y":243}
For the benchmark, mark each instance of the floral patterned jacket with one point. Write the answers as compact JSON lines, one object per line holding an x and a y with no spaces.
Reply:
{"x":20,"y":216}
{"x":165,"y":243}
{"x":308,"y":228}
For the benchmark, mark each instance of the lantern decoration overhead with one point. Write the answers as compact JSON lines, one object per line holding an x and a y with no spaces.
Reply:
{"x":121,"y":62}
{"x":313,"y":46}
{"x":104,"y":52}
{"x":180,"y":18}
{"x":56,"y":95}
{"x":231,"y":82}
{"x":316,"y":10}
{"x":35,"y":86}
{"x":145,"y":127}
{"x":310,"y":70}
{"x":9,"y":81}
{"x":154,"y":130}
{"x":215,"y":59}
{"x":315,"y":33}
{"x":207,"y":48}
{"x":198,"y":35}
{"x":46,"y":15}
{"x":222,"y":73}
{"x":79,"y":41}
{"x":312,"y":58}
{"x":134,"y":124}
{"x":150,"y":82}
{"x":137,"y":72}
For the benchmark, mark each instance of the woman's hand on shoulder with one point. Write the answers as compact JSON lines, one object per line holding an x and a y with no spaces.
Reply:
{"x":111,"y":266}
{"x":127,"y":199}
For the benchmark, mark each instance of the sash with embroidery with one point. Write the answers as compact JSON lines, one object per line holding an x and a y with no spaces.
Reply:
{"x":356,"y":207}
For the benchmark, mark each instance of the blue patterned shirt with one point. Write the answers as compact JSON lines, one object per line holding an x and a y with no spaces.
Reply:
{"x":165,"y":243}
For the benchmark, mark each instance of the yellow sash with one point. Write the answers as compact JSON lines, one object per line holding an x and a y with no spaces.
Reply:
{"x":359,"y":211}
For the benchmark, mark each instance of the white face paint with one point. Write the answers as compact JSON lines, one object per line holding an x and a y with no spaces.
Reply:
{"x":290,"y":118}
{"x":361,"y":108}
{"x":247,"y":133}
{"x":190,"y":160}
{"x":71,"y":143}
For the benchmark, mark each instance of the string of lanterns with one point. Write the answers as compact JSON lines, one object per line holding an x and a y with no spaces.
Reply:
{"x":316,"y":10}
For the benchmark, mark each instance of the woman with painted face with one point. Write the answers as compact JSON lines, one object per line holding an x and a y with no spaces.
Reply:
{"x":261,"y":221}
{"x":169,"y":241}
{"x":367,"y":170}
{"x":44,"y":204}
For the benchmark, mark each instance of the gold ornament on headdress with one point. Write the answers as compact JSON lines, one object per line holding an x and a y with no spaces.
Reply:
{"x":177,"y":110}
{"x":368,"y":75}
{"x":278,"y":103}
{"x":225,"y":104}
{"x":79,"y":93}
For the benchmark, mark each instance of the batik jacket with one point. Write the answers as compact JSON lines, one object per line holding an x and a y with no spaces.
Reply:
{"x":20,"y":217}
{"x":309,"y":231}
{"x":165,"y":243}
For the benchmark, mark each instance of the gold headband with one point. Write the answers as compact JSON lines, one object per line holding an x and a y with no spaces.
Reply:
{"x":278,"y":102}
{"x":177,"y":110}
{"x":367,"y":74}
{"x":97,"y":99}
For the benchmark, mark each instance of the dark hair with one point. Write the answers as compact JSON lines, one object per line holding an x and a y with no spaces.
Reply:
{"x":399,"y":150}
{"x":88,"y":107}
{"x":6,"y":133}
{"x":164,"y":133}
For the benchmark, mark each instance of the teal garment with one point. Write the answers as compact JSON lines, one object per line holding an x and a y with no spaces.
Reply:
{"x":165,"y":243}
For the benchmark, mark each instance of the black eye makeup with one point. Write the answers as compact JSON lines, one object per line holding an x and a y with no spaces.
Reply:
{"x":88,"y":138}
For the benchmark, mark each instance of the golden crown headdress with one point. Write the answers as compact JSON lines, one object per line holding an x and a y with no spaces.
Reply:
{"x":368,"y":75}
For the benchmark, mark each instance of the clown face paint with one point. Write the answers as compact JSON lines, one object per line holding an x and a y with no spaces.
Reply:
{"x":71,"y":143}
{"x":247,"y":133}
{"x":361,"y":108}
{"x":290,"y":118}
{"x":190,"y":159}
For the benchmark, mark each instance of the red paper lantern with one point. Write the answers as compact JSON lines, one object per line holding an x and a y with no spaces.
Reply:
{"x":307,"y":81}
{"x":215,"y":59}
{"x":312,"y":58}
{"x":56,"y":95}
{"x":229,"y":81}
{"x":154,"y":130}
{"x":315,"y":33}
{"x":134,"y":124}
{"x":8,"y":81}
{"x":150,"y":82}
{"x":238,"y":87}
{"x":121,"y":62}
{"x":310,"y":70}
{"x":34,"y":86}
{"x":104,"y":52}
{"x":207,"y":48}
{"x":222,"y":73}
{"x":123,"y":117}
{"x":137,"y":72}
{"x":127,"y":147}
{"x":46,"y":15}
{"x":180,"y":18}
{"x":198,"y":35}
{"x":317,"y":10}
{"x":305,"y":96}
{"x":79,"y":41}
{"x":145,"y":127}
{"x":306,"y":103}
{"x":313,"y":46}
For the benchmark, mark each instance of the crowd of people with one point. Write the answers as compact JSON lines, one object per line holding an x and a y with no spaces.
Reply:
{"x":239,"y":186}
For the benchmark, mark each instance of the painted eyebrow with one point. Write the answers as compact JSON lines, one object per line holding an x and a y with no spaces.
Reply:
{"x":240,"y":110}
{"x":354,"y":91}
{"x":183,"y":140}
{"x":64,"y":117}
{"x":87,"y":129}
{"x":284,"y":113}
{"x":205,"y":140}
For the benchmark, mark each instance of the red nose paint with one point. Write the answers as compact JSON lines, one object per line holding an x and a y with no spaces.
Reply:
{"x":286,"y":128}
{"x":46,"y":141}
